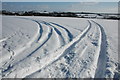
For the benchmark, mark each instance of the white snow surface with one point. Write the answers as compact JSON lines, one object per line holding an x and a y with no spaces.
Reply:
{"x":58,"y":47}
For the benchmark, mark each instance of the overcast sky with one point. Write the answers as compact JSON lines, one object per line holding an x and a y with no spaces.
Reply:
{"x":105,"y":7}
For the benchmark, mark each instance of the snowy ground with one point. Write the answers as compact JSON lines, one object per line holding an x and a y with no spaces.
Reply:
{"x":58,"y":47}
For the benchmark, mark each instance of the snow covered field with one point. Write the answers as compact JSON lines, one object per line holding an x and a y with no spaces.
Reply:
{"x":58,"y":47}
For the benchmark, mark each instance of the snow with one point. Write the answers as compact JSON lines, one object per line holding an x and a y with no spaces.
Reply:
{"x":0,"y":42}
{"x":58,"y":47}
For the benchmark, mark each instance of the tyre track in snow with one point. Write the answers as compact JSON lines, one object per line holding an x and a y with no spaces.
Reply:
{"x":96,"y":68}
{"x":41,"y":41}
{"x":36,"y":37}
{"x":27,"y":55}
{"x":25,"y":46}
{"x":55,"y":56}
{"x":58,"y":33}
{"x":90,"y":56}
{"x":61,"y":52}
{"x":66,"y":30}
{"x":40,"y":30}
{"x":91,"y":65}
{"x":101,"y":65}
{"x":60,"y":36}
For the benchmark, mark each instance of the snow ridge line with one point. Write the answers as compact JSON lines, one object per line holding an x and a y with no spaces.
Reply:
{"x":60,"y":52}
{"x":3,"y":40}
{"x":48,"y":36}
{"x":102,"y":54}
{"x":84,"y":70}
{"x":50,"y":33}
{"x":57,"y":32}
{"x":53,"y":28}
{"x":68,"y":32}
{"x":27,"y":45}
{"x":36,"y":38}
{"x":96,"y":56}
{"x":40,"y":30}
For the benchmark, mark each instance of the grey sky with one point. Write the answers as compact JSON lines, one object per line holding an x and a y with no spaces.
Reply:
{"x":60,"y":0}
{"x":107,"y":7}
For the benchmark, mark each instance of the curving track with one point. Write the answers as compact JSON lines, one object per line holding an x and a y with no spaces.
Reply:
{"x":68,"y":56}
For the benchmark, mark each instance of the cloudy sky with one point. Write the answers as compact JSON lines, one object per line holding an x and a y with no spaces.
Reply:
{"x":105,"y":7}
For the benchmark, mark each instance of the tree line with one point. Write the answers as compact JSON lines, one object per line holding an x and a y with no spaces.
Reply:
{"x":61,"y":14}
